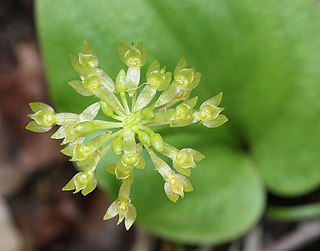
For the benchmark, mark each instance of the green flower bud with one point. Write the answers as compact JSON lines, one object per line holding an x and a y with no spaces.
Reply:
{"x":106,"y":109}
{"x":183,"y":112}
{"x":91,"y":83}
{"x":133,"y":56}
{"x":184,"y":77}
{"x":44,"y":118}
{"x":184,"y":159}
{"x":117,"y":145}
{"x":156,"y":79}
{"x":121,"y":81}
{"x":176,"y":185}
{"x":147,"y":113}
{"x":125,"y":210}
{"x":157,"y":142}
{"x":208,"y":113}
{"x":81,"y":152}
{"x":84,"y":181}
{"x":130,"y":159}
{"x":84,"y":128}
{"x":144,"y":138}
{"x":88,"y":60}
{"x":122,"y":171}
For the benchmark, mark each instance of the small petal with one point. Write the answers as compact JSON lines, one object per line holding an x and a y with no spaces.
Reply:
{"x":123,"y":49}
{"x":195,"y":81}
{"x":184,"y":171}
{"x":37,"y":106}
{"x":105,"y":80}
{"x":145,"y":97}
{"x":187,"y":186}
{"x":91,"y":185}
{"x":88,"y":61}
{"x":169,"y":94}
{"x":109,"y":97}
{"x":65,"y":118}
{"x":220,"y":120}
{"x":182,"y":64}
{"x":154,"y":66}
{"x":34,"y":127}
{"x":191,"y":103}
{"x":163,"y":117}
{"x":69,"y":186}
{"x":176,"y":184}
{"x":129,"y":142}
{"x":122,"y":172}
{"x":112,"y":211}
{"x":162,"y":167}
{"x":216,"y":100}
{"x":71,"y":135}
{"x":143,"y":59}
{"x":131,"y":216}
{"x":76,"y":65}
{"x":86,"y":48}
{"x":80,"y":181}
{"x":166,"y":82}
{"x":170,"y":194}
{"x":90,"y":112}
{"x":197,"y":156}
{"x":68,"y":150}
{"x":59,"y":134}
{"x":141,"y":164}
{"x":79,"y":88}
{"x":121,"y":82}
{"x":132,"y":79}
{"x":111,"y":168}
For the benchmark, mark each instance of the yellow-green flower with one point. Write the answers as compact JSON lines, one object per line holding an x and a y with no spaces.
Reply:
{"x":85,"y":181}
{"x":123,"y":206}
{"x":130,"y":108}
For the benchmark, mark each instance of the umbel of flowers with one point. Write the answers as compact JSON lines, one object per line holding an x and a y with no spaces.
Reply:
{"x":130,"y":109}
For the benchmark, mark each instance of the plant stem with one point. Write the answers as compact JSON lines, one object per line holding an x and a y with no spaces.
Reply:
{"x":294,"y":213}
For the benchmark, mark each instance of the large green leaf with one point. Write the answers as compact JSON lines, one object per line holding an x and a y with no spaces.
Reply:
{"x":263,"y":54}
{"x":228,"y":196}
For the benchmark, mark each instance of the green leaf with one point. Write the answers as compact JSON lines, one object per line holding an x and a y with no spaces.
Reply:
{"x":228,"y":197}
{"x":264,"y":56}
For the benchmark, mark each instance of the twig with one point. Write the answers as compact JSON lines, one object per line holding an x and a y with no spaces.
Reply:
{"x":144,"y":241}
{"x":304,"y":234}
{"x":254,"y":240}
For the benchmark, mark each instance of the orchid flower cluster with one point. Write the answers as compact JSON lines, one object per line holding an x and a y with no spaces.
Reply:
{"x":126,"y":130}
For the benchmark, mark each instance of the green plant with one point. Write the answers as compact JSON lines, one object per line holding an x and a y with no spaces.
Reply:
{"x":132,"y":121}
{"x":262,"y":54}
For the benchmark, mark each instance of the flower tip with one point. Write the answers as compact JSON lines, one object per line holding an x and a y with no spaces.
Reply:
{"x":128,"y":224}
{"x":120,"y":220}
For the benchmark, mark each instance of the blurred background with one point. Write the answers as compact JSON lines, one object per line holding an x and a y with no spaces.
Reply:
{"x":35,"y":215}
